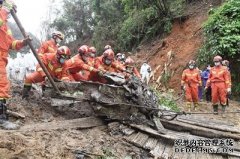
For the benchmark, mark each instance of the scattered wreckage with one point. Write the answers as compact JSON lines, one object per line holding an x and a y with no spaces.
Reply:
{"x":128,"y":101}
{"x":134,"y":110}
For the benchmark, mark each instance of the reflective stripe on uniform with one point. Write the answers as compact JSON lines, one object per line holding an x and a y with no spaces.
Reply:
{"x":50,"y":49}
{"x":58,"y":70}
{"x":39,"y":69}
{"x":65,"y":78}
{"x":91,"y":68}
{"x":1,"y":22}
{"x":14,"y":44}
{"x":50,"y":66}
{"x":72,"y":60}
{"x":9,"y":32}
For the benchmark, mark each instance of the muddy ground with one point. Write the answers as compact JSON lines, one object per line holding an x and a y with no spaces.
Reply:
{"x":62,"y":143}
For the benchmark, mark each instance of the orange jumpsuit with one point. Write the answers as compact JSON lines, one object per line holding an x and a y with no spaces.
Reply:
{"x":191,"y":79}
{"x":100,"y":65}
{"x":75,"y":66}
{"x":53,"y":66}
{"x":48,"y":47}
{"x":219,"y":79}
{"x":6,"y":42}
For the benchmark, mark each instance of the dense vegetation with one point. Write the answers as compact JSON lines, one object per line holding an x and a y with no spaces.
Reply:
{"x":121,"y":23}
{"x":222,"y":37}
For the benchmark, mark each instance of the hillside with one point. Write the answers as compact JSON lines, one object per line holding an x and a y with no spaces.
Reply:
{"x":184,"y":41}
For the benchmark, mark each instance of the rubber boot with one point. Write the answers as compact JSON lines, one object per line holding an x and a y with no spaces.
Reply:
{"x":3,"y":111}
{"x":188,"y":105}
{"x":215,"y":109}
{"x":196,"y":105}
{"x":223,"y":111}
{"x":25,"y":92}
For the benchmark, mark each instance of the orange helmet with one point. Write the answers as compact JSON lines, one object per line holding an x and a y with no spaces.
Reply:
{"x":217,"y":58}
{"x":225,"y":63}
{"x":83,"y":50}
{"x":63,"y":52}
{"x":129,"y":61}
{"x":58,"y":34}
{"x":92,"y":50}
{"x":109,"y":54}
{"x":107,"y":47}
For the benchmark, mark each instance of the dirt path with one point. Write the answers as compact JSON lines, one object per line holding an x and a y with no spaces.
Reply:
{"x":231,"y":118}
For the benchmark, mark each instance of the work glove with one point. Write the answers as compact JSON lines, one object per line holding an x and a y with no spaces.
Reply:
{"x":26,"y":40}
{"x":101,"y":73}
{"x":183,"y":88}
{"x":229,"y":91}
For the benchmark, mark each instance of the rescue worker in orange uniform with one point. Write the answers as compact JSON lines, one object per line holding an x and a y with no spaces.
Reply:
{"x":7,"y":43}
{"x":93,"y":51}
{"x":129,"y":64}
{"x":80,"y":66}
{"x":226,"y":64}
{"x":190,"y":81}
{"x":220,"y":84}
{"x":54,"y":63}
{"x":51,"y":45}
{"x":106,"y":63}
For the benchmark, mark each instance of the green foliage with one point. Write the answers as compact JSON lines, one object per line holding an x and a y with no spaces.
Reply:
{"x":222,"y":33}
{"x":167,"y":100}
{"x":135,"y":27}
{"x":123,"y":24}
{"x":222,"y":37}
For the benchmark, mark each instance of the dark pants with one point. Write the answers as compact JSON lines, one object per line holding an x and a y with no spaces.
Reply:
{"x":208,"y":94}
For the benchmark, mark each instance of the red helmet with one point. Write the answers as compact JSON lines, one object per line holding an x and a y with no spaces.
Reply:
{"x":92,"y":50}
{"x":64,"y":52}
{"x":83,"y":50}
{"x":58,"y":34}
{"x":217,"y":58}
{"x":109,"y":54}
{"x":107,"y":47}
{"x":129,"y":61}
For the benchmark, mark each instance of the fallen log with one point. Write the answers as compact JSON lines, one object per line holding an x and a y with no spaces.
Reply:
{"x":80,"y":123}
{"x":197,"y":130}
{"x":210,"y":125}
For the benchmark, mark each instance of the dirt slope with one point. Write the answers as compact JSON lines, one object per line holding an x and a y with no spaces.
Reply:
{"x":184,"y":41}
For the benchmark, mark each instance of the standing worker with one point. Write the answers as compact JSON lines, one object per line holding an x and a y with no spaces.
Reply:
{"x":191,"y":80}
{"x":7,"y":43}
{"x":51,"y":45}
{"x":145,"y":72}
{"x":220,"y":84}
{"x":205,"y":76}
{"x":226,"y":64}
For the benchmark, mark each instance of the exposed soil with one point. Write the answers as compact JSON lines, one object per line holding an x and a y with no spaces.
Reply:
{"x":57,"y":143}
{"x":184,"y":41}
